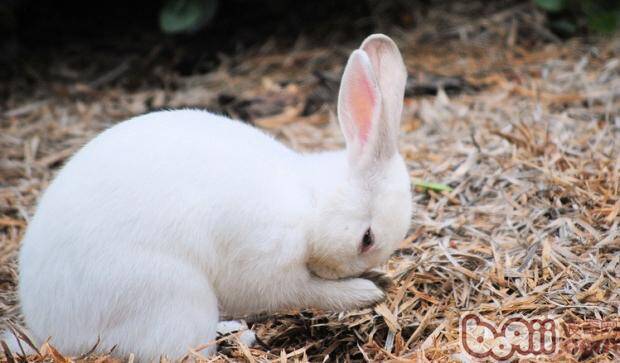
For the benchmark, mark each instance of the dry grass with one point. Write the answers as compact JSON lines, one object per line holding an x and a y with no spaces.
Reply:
{"x":528,"y":139}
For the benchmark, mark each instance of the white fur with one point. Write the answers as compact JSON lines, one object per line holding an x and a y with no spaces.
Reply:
{"x":246,"y":336}
{"x":165,"y":221}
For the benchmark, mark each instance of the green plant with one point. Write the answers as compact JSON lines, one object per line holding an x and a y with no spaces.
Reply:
{"x":566,"y":17}
{"x":183,"y":16}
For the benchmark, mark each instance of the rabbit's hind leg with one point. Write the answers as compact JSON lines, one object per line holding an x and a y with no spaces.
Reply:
{"x":175,"y":312}
{"x":179,"y":327}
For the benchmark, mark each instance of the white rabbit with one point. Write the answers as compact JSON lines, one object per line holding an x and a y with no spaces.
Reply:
{"x":163,"y":222}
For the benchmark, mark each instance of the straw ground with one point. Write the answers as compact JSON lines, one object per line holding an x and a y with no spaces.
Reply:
{"x":522,"y":139}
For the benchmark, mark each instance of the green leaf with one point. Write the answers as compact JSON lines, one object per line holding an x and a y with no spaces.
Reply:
{"x":551,"y":5}
{"x":426,"y":185}
{"x":178,"y":16}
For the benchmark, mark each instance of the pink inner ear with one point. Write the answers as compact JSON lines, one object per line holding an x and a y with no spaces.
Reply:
{"x":362,"y":102}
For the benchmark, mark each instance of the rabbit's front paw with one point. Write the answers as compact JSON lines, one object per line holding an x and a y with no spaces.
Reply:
{"x":366,"y":293}
{"x":380,"y":279}
{"x":345,"y":294}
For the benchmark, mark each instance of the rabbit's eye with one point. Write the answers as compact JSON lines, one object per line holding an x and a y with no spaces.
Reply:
{"x":368,"y":240}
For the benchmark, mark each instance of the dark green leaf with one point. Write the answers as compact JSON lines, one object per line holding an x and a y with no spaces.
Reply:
{"x":551,"y":5}
{"x":178,"y":16}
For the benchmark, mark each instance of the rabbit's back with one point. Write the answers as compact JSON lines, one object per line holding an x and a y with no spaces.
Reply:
{"x":154,"y":167}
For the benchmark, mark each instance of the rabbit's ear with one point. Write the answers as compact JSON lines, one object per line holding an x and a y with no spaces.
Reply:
{"x":359,"y":106}
{"x":370,"y":102}
{"x":391,"y":73}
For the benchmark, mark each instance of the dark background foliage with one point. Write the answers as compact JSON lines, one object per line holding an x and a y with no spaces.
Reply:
{"x":34,"y":34}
